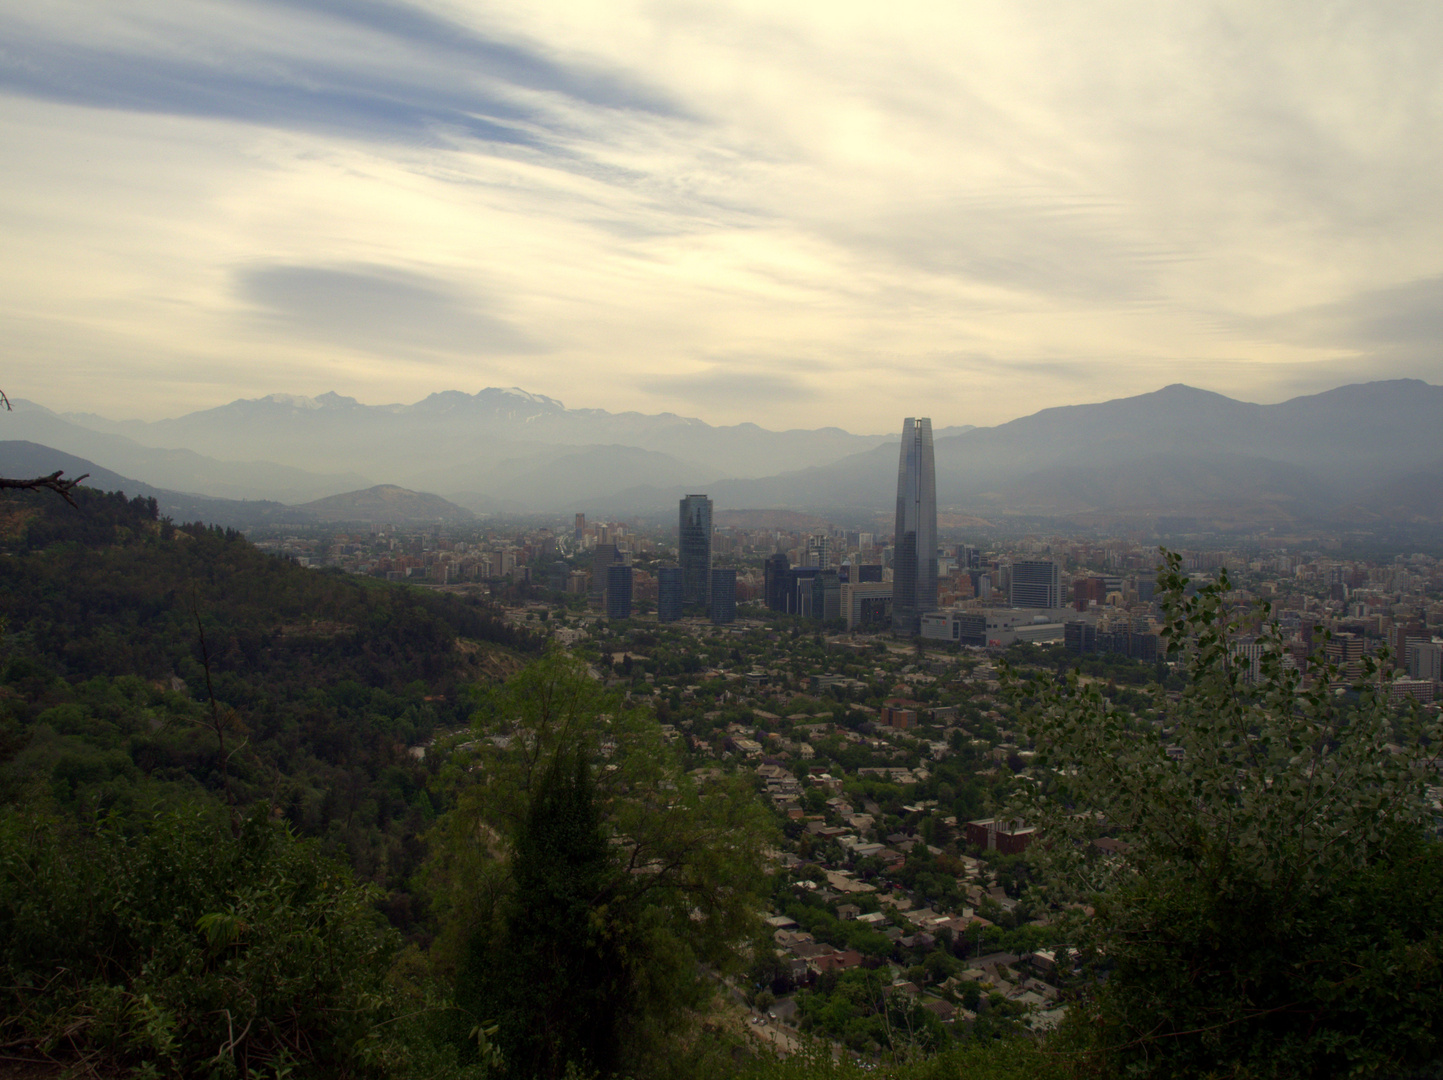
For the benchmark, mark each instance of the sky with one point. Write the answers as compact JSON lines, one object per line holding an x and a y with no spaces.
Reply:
{"x":794,"y":214}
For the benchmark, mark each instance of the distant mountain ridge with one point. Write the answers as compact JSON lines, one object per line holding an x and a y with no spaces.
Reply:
{"x":1178,"y":447}
{"x":179,"y":469}
{"x":486,"y":437}
{"x":23,"y":459}
{"x":387,"y":504}
{"x":382,"y":504}
{"x":1362,"y":452}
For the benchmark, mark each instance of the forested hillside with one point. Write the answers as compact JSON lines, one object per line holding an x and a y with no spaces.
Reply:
{"x":210,"y":809}
{"x":321,"y":681}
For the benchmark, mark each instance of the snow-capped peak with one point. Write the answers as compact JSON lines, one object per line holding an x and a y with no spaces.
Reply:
{"x":295,"y":401}
{"x":525,"y":395}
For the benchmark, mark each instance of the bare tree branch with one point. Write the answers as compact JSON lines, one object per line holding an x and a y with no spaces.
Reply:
{"x":53,"y":482}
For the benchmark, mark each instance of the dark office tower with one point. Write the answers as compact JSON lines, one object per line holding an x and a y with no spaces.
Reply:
{"x":693,"y":545}
{"x":618,"y":591}
{"x":774,"y":588}
{"x":723,"y":595}
{"x":914,"y":562}
{"x":799,"y":590}
{"x":580,"y":528}
{"x":601,"y":559}
{"x":1036,"y":583}
{"x":826,"y":595}
{"x":668,"y":593}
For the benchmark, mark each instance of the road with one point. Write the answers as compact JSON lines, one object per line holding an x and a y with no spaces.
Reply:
{"x":773,"y":1033}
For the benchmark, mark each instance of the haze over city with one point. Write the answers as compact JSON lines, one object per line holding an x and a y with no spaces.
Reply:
{"x":800,"y":217}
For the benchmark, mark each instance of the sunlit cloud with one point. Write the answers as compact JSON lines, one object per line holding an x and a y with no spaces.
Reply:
{"x":733,"y":211}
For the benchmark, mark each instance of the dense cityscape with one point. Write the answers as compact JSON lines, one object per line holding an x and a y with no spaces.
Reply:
{"x":874,"y":728}
{"x":858,"y":785}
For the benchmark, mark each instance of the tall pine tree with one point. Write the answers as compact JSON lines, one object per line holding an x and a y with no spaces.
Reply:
{"x":556,"y":978}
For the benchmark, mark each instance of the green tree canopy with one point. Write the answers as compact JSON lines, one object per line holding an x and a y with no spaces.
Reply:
{"x":582,"y":876}
{"x":1275,"y":909}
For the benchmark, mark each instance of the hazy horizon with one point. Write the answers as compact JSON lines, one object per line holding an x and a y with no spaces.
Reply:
{"x":1359,"y":451}
{"x":938,"y":422}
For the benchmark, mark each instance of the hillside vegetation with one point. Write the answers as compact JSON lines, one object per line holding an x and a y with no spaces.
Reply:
{"x":321,"y":681}
{"x":221,"y":856}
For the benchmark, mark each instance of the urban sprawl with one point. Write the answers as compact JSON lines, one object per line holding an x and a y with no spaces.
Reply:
{"x":855,"y":675}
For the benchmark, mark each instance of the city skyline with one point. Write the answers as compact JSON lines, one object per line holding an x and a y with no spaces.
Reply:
{"x":736,"y":213}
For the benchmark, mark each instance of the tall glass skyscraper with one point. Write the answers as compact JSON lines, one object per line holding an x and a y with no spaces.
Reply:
{"x":668,"y":593}
{"x":618,"y":591}
{"x":914,"y":564}
{"x":723,"y":594}
{"x":693,"y":546}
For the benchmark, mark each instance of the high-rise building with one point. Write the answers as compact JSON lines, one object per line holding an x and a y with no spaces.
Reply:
{"x":580,"y":534}
{"x":1425,"y":660}
{"x":914,"y":561}
{"x":799,"y":590}
{"x":618,"y":591}
{"x":826,"y":595}
{"x":867,"y":603}
{"x":1036,"y":583}
{"x":668,"y":593}
{"x":723,"y":595}
{"x":693,"y":545}
{"x":1088,"y":592}
{"x":819,"y":551}
{"x":774,"y":576}
{"x":602,"y":557}
{"x":1399,"y":638}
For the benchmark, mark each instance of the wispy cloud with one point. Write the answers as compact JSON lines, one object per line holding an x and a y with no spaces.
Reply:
{"x":375,"y":309}
{"x":1407,"y":317}
{"x":731,"y":209}
{"x":732,"y":388}
{"x":367,"y":69}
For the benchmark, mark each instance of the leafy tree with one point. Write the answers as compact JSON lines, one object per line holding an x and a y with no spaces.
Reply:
{"x":567,"y":800}
{"x":168,"y":946}
{"x":1276,"y":910}
{"x":322,"y":680}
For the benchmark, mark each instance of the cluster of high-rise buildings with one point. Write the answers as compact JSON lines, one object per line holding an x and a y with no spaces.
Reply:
{"x":1090,"y":595}
{"x":691,"y":585}
{"x":859,"y":592}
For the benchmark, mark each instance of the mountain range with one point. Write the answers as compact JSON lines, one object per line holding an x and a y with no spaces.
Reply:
{"x":382,"y":504}
{"x":1365,"y":452}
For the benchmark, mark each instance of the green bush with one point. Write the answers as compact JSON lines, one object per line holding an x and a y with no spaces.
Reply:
{"x":171,"y":946}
